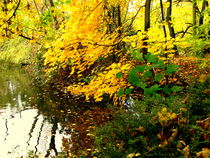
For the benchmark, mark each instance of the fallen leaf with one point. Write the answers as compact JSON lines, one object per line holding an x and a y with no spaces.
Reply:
{"x":205,"y":153}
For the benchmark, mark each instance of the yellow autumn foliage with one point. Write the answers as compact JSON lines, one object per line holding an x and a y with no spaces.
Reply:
{"x":88,"y":36}
{"x":81,"y":42}
{"x":105,"y":83}
{"x":165,"y":117}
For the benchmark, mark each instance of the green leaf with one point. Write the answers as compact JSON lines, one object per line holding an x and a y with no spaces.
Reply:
{"x":159,"y":77}
{"x":166,"y":89}
{"x":142,"y":85}
{"x":119,"y":75}
{"x":152,"y":59}
{"x":148,"y":67}
{"x":140,"y":68}
{"x":147,"y":56}
{"x":120,"y":92}
{"x":137,"y":55}
{"x":175,"y":89}
{"x":160,"y":64}
{"x":128,"y":91}
{"x":152,"y":90}
{"x":171,"y":68}
{"x":133,"y":77}
{"x":147,"y":74}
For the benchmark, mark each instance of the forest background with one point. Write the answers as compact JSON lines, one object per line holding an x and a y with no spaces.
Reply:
{"x":121,"y":52}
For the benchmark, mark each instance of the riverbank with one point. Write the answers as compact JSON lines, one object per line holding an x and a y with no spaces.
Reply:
{"x":172,"y":126}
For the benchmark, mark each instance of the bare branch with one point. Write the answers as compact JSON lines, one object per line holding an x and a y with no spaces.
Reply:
{"x":92,"y":11}
{"x":14,"y":13}
{"x":134,"y":17}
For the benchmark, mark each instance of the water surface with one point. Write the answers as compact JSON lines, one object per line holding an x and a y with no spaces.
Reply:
{"x":35,"y":119}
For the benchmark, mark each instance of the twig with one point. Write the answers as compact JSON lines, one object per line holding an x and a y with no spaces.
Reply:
{"x":92,"y":11}
{"x":14,"y":11}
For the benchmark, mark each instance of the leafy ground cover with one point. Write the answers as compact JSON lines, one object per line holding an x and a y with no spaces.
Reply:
{"x":175,"y":125}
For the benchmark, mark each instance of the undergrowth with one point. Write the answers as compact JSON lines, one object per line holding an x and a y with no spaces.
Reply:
{"x":174,"y":126}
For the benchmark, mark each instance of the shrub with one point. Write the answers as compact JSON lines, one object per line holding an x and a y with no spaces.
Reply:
{"x":158,"y":127}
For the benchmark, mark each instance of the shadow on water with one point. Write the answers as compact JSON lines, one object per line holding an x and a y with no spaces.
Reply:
{"x":33,"y":118}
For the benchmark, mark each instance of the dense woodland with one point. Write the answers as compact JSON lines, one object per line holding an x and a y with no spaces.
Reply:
{"x":149,"y":59}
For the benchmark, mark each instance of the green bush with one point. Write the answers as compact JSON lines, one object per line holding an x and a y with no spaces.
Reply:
{"x":150,"y":75}
{"x":157,"y":127}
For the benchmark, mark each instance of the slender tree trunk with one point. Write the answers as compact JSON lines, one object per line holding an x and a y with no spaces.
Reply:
{"x":146,"y":26}
{"x":163,"y":18}
{"x":118,"y":25}
{"x":168,"y":19}
{"x":106,"y":19}
{"x":194,"y":12}
{"x":170,"y":26}
{"x":113,"y":13}
{"x":201,"y":19}
{"x":194,"y":20}
{"x":147,"y":15}
{"x":119,"y":20}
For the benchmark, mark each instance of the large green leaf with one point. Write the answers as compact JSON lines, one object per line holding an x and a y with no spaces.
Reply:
{"x":119,"y":75}
{"x":147,"y":56}
{"x":151,"y":58}
{"x":128,"y":91}
{"x":152,"y":90}
{"x":120,"y":92}
{"x":142,"y":85}
{"x":137,"y":55}
{"x":159,"y":77}
{"x":175,"y":89}
{"x":166,"y":89}
{"x":160,"y":64}
{"x":171,"y":68}
{"x":133,"y":77}
{"x":147,"y":74}
{"x":141,"y":68}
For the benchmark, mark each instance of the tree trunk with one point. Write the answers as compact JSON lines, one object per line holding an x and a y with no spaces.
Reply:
{"x":168,"y":19}
{"x":201,"y":19}
{"x":194,"y":12}
{"x":194,"y":16}
{"x":163,"y":18}
{"x":170,"y":26}
{"x":146,"y":26}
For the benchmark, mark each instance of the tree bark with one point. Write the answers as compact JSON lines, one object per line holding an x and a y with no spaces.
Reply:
{"x":194,"y":16}
{"x":194,"y":12}
{"x":146,"y":26}
{"x":168,"y":19}
{"x":201,"y":19}
{"x":170,"y":26}
{"x":163,"y":18}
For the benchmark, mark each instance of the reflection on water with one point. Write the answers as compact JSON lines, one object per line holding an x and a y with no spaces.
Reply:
{"x":25,"y":131}
{"x":32,"y":118}
{"x":23,"y":127}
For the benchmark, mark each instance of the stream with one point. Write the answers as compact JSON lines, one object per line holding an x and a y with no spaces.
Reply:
{"x":37,"y":120}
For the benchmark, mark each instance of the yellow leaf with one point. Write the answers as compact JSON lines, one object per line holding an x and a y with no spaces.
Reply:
{"x":205,"y":153}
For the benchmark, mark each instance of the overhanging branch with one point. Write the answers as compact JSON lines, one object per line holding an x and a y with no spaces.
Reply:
{"x":15,"y":11}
